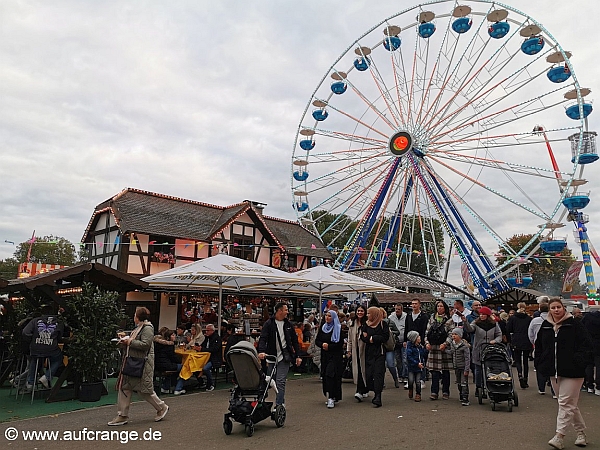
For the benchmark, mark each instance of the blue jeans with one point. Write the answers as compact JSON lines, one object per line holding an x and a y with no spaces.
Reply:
{"x":462,"y":381}
{"x":435,"y":381}
{"x":282,"y":371}
{"x":168,"y":381}
{"x":415,"y":378}
{"x":207,"y":371}
{"x":55,"y":363}
{"x":390,"y":362}
{"x":401,"y":363}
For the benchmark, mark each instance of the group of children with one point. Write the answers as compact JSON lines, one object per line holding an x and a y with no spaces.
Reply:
{"x":461,"y":358}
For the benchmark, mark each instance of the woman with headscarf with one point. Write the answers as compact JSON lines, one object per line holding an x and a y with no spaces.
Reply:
{"x":356,"y":350}
{"x":437,"y":342}
{"x":486,"y":331}
{"x":375,"y":333}
{"x":332,"y":357}
{"x":563,"y":348}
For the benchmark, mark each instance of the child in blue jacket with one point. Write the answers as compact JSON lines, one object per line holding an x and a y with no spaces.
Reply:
{"x":415,"y":356}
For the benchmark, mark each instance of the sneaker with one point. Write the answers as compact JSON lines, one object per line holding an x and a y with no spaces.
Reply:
{"x":422,"y":384}
{"x":44,"y":381}
{"x":160,"y":415}
{"x":445,"y":396}
{"x":358,"y":397}
{"x":330,"y":403}
{"x":580,"y":441}
{"x":406,"y":385}
{"x":542,"y":392}
{"x":366,"y":395}
{"x":597,"y":391}
{"x":410,"y":393}
{"x":396,"y":384}
{"x":417,"y":397}
{"x":590,"y":390}
{"x":465,"y":403}
{"x":433,"y":397}
{"x":179,"y":392}
{"x":557,"y":443}
{"x":164,"y":391}
{"x":119,"y":420}
{"x":210,"y":388}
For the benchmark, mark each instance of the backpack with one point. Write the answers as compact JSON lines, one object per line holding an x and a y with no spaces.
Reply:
{"x":437,"y":334}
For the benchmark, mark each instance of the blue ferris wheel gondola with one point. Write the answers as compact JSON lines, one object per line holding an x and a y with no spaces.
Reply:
{"x":426,"y":30}
{"x":338,"y":87}
{"x":391,"y":43}
{"x":533,"y":45}
{"x":553,"y":246}
{"x":300,"y":176}
{"x":301,"y":206}
{"x":573,"y":111}
{"x":559,"y":74}
{"x":307,"y":144}
{"x":362,"y":64}
{"x":498,"y":30}
{"x":320,"y":115}
{"x":577,"y":201}
{"x":462,"y":25}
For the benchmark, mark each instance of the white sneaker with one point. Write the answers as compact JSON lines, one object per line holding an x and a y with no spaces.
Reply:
{"x":422,"y":384}
{"x":164,"y":391}
{"x":330,"y":403}
{"x":597,"y":391}
{"x":557,"y":443}
{"x":358,"y":396}
{"x":580,"y":441}
{"x":366,"y":395}
{"x":591,"y":390}
{"x":44,"y":381}
{"x":179,"y":392}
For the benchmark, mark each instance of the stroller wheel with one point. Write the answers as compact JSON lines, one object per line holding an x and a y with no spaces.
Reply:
{"x":510,"y":405}
{"x":279,"y":416}
{"x":493,"y":406}
{"x":249,"y":429}
{"x":227,"y":426}
{"x":515,"y":398}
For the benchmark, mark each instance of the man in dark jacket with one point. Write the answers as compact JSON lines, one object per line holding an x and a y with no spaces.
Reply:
{"x":45,"y":333}
{"x":212,"y":344}
{"x":518,"y":330}
{"x":279,"y":338}
{"x":416,"y":320}
{"x":591,"y":321}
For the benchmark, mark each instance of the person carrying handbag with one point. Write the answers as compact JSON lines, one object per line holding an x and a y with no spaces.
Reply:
{"x":140,"y":344}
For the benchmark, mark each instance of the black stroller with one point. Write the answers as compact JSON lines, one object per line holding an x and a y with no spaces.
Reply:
{"x":497,"y":377}
{"x":247,"y":404}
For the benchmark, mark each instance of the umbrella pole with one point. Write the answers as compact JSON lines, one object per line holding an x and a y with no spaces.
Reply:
{"x":220,"y":310}
{"x":320,"y":303}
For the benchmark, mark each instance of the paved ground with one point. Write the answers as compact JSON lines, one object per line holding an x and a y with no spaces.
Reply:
{"x":196,"y":420}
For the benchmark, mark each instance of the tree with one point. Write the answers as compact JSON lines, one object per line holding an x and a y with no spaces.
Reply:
{"x":47,"y":250}
{"x":9,"y":268}
{"x":547,"y":271}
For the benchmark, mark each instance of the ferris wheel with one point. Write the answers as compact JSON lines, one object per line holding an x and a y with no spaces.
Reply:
{"x":420,"y":140}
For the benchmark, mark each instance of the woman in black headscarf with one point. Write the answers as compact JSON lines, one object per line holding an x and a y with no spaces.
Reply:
{"x":332,"y":357}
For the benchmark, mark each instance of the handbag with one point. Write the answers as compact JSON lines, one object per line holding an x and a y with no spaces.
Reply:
{"x":347,"y":374}
{"x":134,"y":366}
{"x":287,"y":357}
{"x":390,"y":345}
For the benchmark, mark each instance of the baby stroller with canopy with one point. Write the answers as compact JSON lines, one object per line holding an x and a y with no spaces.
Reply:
{"x":497,"y":377}
{"x":247,"y":403}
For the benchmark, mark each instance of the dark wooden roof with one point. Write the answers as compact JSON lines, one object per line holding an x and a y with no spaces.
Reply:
{"x":3,"y":283}
{"x":515,"y":295}
{"x":150,"y":213}
{"x":401,"y":297}
{"x":75,"y":276}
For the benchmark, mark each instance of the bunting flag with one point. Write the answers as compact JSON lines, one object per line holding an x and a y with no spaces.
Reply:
{"x":571,"y":275}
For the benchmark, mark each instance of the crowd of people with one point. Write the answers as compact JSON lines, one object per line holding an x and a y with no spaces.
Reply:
{"x":417,"y":347}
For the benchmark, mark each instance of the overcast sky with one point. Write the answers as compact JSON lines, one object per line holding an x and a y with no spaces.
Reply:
{"x":196,"y":99}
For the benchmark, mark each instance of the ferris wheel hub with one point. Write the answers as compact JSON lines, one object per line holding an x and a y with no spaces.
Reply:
{"x":400,"y":143}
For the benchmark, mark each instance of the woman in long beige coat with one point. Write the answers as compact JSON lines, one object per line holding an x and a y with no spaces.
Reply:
{"x":140,"y":344}
{"x":356,"y":350}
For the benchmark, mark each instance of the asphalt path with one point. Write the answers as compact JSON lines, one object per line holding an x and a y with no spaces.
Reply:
{"x":195,"y":421}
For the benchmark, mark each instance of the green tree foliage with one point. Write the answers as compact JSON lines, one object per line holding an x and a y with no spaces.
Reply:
{"x":9,"y":268}
{"x":47,"y":250}
{"x":337,"y":230}
{"x":547,"y":271}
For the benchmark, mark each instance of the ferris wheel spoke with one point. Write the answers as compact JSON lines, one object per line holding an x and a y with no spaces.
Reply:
{"x":384,"y":91}
{"x":372,"y":106}
{"x":350,"y":137}
{"x":540,"y":214}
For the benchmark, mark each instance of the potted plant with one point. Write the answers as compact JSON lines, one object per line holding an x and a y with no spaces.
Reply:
{"x":94,"y":316}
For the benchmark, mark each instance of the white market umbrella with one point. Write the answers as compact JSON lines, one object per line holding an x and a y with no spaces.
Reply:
{"x":323,"y":280}
{"x":220,"y":271}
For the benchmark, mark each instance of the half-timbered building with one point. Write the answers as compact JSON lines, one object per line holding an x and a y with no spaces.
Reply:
{"x":143,"y":233}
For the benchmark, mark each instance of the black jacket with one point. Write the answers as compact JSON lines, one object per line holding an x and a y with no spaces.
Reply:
{"x":165,"y":357}
{"x":213,"y":345}
{"x":591,"y":322}
{"x":267,"y":342}
{"x":45,"y":332}
{"x":565,"y":354}
{"x":518,"y":328}
{"x":419,"y":325}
